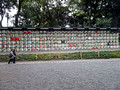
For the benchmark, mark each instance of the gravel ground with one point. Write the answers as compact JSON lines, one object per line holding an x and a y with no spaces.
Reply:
{"x":61,"y":75}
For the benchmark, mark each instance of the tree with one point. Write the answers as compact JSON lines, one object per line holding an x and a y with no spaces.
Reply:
{"x":59,"y":13}
{"x":97,"y":10}
{"x":115,"y":12}
{"x":43,"y":13}
{"x":4,"y":5}
{"x":19,"y":6}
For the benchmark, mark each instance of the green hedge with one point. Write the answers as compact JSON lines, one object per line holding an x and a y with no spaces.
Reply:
{"x":4,"y":58}
{"x":64,"y":56}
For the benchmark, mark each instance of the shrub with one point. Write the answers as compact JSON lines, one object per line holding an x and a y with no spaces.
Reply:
{"x":4,"y":58}
{"x":64,"y":56}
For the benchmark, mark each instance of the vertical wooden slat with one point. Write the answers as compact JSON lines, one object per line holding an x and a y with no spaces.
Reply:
{"x":58,"y":55}
{"x":36,"y":56}
{"x":98,"y":53}
{"x":81,"y":55}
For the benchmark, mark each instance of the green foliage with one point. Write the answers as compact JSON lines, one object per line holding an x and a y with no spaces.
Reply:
{"x":25,"y":57}
{"x":70,"y":56}
{"x":45,"y":57}
{"x":108,"y":54}
{"x":64,"y":56}
{"x":44,"y":14}
{"x":4,"y":58}
{"x":90,"y":55}
{"x":94,"y":11}
{"x":103,"y":22}
{"x":59,"y":13}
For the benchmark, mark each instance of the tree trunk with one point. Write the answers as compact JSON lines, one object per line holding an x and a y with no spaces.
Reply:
{"x":115,"y":14}
{"x":1,"y":20}
{"x":18,"y":12}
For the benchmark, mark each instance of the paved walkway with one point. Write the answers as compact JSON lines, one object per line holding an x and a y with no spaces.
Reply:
{"x":93,"y":74}
{"x":61,"y":61}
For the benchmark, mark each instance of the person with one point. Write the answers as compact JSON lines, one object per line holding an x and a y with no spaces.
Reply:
{"x":14,"y":53}
{"x":12,"y":56}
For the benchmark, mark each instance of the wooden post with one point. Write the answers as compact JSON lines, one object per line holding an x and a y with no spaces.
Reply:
{"x":58,"y":55}
{"x":36,"y":56}
{"x":54,"y":55}
{"x":81,"y":55}
{"x":98,"y":53}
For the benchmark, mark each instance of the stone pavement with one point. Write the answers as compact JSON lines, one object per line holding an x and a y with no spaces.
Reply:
{"x":61,"y":75}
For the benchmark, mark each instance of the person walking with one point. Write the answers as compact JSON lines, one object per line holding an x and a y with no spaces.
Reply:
{"x":12,"y":56}
{"x":14,"y":53}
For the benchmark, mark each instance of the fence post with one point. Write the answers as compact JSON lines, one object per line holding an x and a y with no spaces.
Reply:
{"x":58,"y":55}
{"x":98,"y":53}
{"x":36,"y":56}
{"x":81,"y":55}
